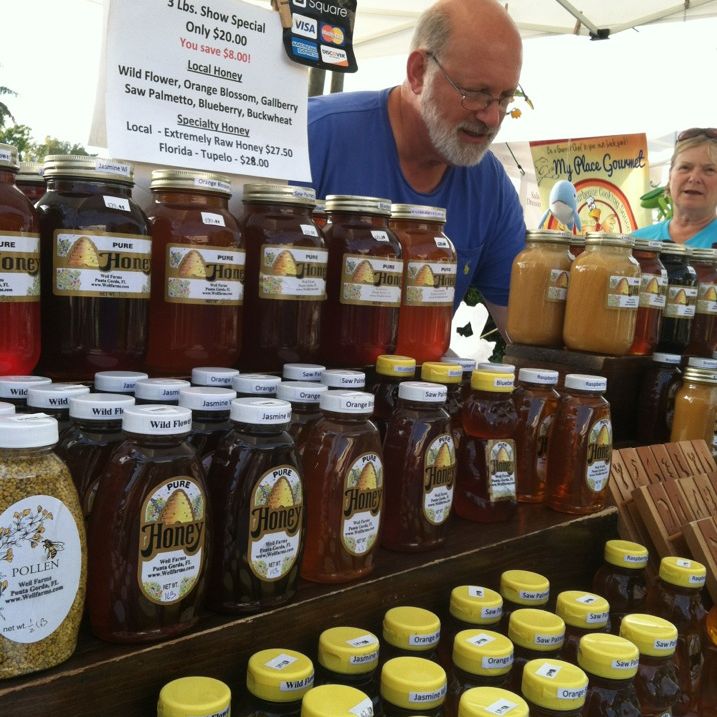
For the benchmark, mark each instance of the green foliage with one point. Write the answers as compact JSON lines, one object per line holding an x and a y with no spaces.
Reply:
{"x":18,"y":135}
{"x":52,"y":145}
{"x":4,"y":109}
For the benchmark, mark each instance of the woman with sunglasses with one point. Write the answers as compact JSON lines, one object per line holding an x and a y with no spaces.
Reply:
{"x":693,"y":188}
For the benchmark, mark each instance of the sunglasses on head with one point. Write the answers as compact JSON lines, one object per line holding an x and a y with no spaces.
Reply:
{"x":709,"y":132}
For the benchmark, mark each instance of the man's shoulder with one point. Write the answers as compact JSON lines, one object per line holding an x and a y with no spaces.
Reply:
{"x":345,"y":105}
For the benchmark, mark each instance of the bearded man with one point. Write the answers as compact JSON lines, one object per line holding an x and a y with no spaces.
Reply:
{"x":426,"y":141}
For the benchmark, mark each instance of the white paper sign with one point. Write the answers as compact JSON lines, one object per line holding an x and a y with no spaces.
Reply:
{"x":205,"y":86}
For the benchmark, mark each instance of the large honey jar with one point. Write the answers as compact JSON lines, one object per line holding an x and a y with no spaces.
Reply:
{"x":703,"y":334}
{"x":679,"y":311}
{"x":30,"y":181}
{"x":695,"y":406}
{"x":656,"y":398}
{"x":653,"y":288}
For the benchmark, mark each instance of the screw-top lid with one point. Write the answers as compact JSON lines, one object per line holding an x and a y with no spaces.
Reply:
{"x":499,"y":381}
{"x":648,"y":244}
{"x":413,"y":683}
{"x":554,"y":685}
{"x":16,"y":387}
{"x":279,"y":675}
{"x":100,"y":406}
{"x":418,"y":212}
{"x":54,"y":395}
{"x":585,"y":382}
{"x":467,"y":364}
{"x":700,"y":375}
{"x":117,"y":381}
{"x":6,"y":409}
{"x":159,"y":389}
{"x":359,"y":402}
{"x":336,"y":701}
{"x":355,"y":203}
{"x":207,"y":398}
{"x":669,"y":247}
{"x":682,"y":572}
{"x":302,"y":371}
{"x":625,"y":554}
{"x":279,"y":194}
{"x":482,"y":652}
{"x":538,"y":375}
{"x":348,"y":650}
{"x":491,"y":701}
{"x":582,"y":609}
{"x":476,"y":605}
{"x":548,"y":236}
{"x":608,"y":656}
{"x":192,"y":180}
{"x":523,"y":587}
{"x":86,"y":167}
{"x":8,"y":157}
{"x":422,"y":391}
{"x":702,"y":255}
{"x":343,"y":378}
{"x":194,"y":697}
{"x":213,"y":376}
{"x":442,"y":372}
{"x":411,"y":628}
{"x":537,"y":630}
{"x":30,"y":172}
{"x":157,"y":420}
{"x":393,"y":365}
{"x":672,"y":359}
{"x":607,"y":239}
{"x":257,"y":384}
{"x":28,"y":430}
{"x":301,"y":391}
{"x":496,"y":367}
{"x":652,"y":635}
{"x":261,"y":411}
{"x":707,"y":364}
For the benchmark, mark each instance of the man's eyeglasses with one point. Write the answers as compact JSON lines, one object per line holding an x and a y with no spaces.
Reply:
{"x":474,"y":100}
{"x":709,"y":132}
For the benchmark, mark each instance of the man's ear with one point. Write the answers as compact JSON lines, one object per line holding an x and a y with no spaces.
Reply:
{"x":416,"y":70}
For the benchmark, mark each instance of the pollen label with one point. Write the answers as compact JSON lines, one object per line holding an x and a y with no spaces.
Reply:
{"x":280,"y":662}
{"x":363,"y":641}
{"x":430,"y":283}
{"x":681,"y":301}
{"x":361,"y":509}
{"x":480,"y":640}
{"x":371,"y":280}
{"x":599,"y":455}
{"x":501,"y":707}
{"x":289,"y":272}
{"x":475,"y":592}
{"x":549,"y":670}
{"x":439,"y":476}
{"x":653,"y":290}
{"x":363,"y":708}
{"x":19,"y":267}
{"x":623,"y":292}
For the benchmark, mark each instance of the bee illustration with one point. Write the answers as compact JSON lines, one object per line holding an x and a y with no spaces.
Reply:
{"x":52,"y":548}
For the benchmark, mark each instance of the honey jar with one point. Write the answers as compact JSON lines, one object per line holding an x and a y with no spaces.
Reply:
{"x":695,"y":406}
{"x":653,"y":287}
{"x":703,"y":334}
{"x":679,"y":310}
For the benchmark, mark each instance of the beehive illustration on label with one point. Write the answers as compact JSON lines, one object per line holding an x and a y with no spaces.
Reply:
{"x":192,"y":266}
{"x":425,"y":276}
{"x":284,"y":265}
{"x":83,"y":254}
{"x":178,"y":509}
{"x":364,"y":273}
{"x":367,"y":479}
{"x":622,"y":287}
{"x":680,"y":298}
{"x":281,"y":495}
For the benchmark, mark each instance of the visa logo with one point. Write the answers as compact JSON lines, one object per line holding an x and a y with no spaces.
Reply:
{"x":304,"y":26}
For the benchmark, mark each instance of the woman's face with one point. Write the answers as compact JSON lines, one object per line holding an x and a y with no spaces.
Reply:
{"x":693,"y":180}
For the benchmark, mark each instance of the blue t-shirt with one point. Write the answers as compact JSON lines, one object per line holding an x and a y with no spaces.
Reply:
{"x":704,"y":239}
{"x":353,"y":151}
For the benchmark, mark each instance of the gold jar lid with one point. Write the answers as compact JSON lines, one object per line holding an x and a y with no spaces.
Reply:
{"x":279,"y":194}
{"x":8,"y":157}
{"x":648,"y":245}
{"x":354,"y":203}
{"x":551,"y":237}
{"x":418,"y":212}
{"x":84,"y":167}
{"x":607,"y":239}
{"x":699,"y":375}
{"x":702,"y":256}
{"x":189,"y":179}
{"x":30,"y":172}
{"x":669,"y":247}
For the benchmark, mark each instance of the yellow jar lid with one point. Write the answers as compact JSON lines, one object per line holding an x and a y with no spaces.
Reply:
{"x":413,"y":683}
{"x":393,"y":365}
{"x":554,"y":685}
{"x":482,"y":652}
{"x":524,"y":588}
{"x":536,"y":629}
{"x":491,"y":701}
{"x":194,"y":697}
{"x":348,"y":650}
{"x":279,"y":675}
{"x":683,"y":572}
{"x":625,"y":554}
{"x":411,"y":628}
{"x":493,"y":381}
{"x":652,"y":635}
{"x":441,"y":372}
{"x":582,"y":609}
{"x":476,"y":605}
{"x":336,"y":701}
{"x":608,"y":656}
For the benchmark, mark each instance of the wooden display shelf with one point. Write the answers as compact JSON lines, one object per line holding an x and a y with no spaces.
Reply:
{"x":104,"y":679}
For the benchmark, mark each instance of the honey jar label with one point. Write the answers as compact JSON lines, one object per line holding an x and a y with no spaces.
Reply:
{"x":19,"y":267}
{"x":557,"y":289}
{"x":599,"y":454}
{"x":93,"y":263}
{"x":439,"y":477}
{"x":204,"y":275}
{"x":171,"y":540}
{"x":623,"y":292}
{"x":369,"y":280}
{"x":653,"y":290}
{"x":430,"y":283}
{"x":275,"y":522}
{"x":289,"y":272}
{"x":40,"y":567}
{"x":500,"y":460}
{"x":681,"y":301}
{"x":706,"y":299}
{"x":541,"y":447}
{"x":361,"y":509}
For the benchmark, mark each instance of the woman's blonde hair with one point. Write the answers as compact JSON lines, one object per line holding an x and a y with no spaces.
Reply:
{"x":698,"y":141}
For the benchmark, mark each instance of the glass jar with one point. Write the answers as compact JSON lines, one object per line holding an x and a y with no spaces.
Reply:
{"x":390,"y":371}
{"x":117,"y":381}
{"x":554,"y":687}
{"x":489,"y":701}
{"x":194,"y":697}
{"x":53,"y":399}
{"x":653,"y":288}
{"x":343,"y":378}
{"x":95,"y":296}
{"x":583,"y":614}
{"x":679,"y":311}
{"x":429,"y":281}
{"x":30,"y":182}
{"x":364,"y":281}
{"x":304,"y":397}
{"x":336,"y":701}
{"x":248,"y":385}
{"x":285,"y":284}
{"x":577,"y":245}
{"x":695,"y":406}
{"x":522,"y":589}
{"x":319,"y":214}
{"x":302,"y":372}
{"x":603,"y":297}
{"x":410,"y":632}
{"x":656,"y":398}
{"x":703,"y":334}
{"x":159,"y":390}
{"x":195,"y":312}
{"x":538,"y":289}
{"x":412,"y":686}
{"x":580,"y":447}
{"x":19,"y":272}
{"x":218,"y":376}
{"x":41,"y":528}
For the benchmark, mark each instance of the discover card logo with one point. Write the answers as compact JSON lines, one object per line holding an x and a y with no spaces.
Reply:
{"x":334,"y":56}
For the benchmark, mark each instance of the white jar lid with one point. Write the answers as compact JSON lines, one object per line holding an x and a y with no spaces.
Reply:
{"x":28,"y":430}
{"x":54,"y":395}
{"x":300,"y":391}
{"x":100,"y":406}
{"x":207,"y":398}
{"x":6,"y":409}
{"x":257,"y":384}
{"x":347,"y":402}
{"x":117,"y":381}
{"x":542,"y":376}
{"x":302,"y":371}
{"x":159,"y":389}
{"x":16,"y":386}
{"x":699,"y":362}
{"x":213,"y":376}
{"x":496,"y":367}
{"x":674,"y":359}
{"x":423,"y":391}
{"x":157,"y":420}
{"x":343,"y":378}
{"x":585,"y":382}
{"x":263,"y":411}
{"x":467,"y":364}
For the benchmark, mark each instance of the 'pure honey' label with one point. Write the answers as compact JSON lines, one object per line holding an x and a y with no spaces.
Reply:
{"x":293,"y":273}
{"x":99,"y":264}
{"x":623,"y":292}
{"x":204,"y":275}
{"x":599,"y":454}
{"x":371,"y":280}
{"x":706,"y":299}
{"x":653,"y":289}
{"x":500,"y":461}
{"x":171,"y":540}
{"x":19,"y":267}
{"x":430,"y":283}
{"x":681,"y":302}
{"x":361,"y":509}
{"x":557,"y":289}
{"x":439,"y":477}
{"x":275,"y":521}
